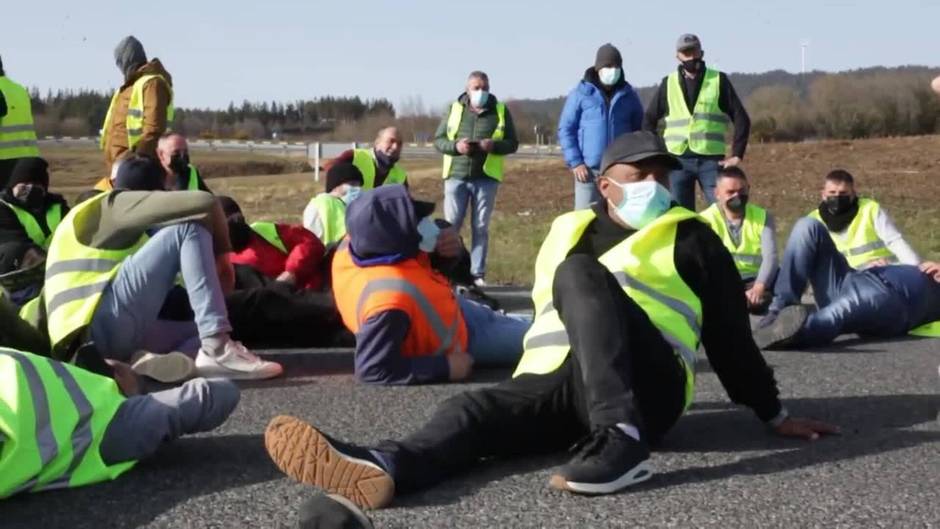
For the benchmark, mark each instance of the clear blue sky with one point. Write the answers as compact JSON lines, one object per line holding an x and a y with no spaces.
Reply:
{"x":221,"y":51}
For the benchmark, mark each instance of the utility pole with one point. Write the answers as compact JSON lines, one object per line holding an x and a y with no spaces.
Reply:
{"x":803,"y":45}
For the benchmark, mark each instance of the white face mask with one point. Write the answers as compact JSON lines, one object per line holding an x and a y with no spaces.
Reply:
{"x":609,"y":76}
{"x":429,"y":231}
{"x":642,"y":202}
{"x":478,"y":98}
{"x":352,"y":193}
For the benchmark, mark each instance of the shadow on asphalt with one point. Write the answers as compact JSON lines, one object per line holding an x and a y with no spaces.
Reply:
{"x":852,"y":345}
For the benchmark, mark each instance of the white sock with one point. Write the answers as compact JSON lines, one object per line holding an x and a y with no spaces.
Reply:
{"x":630,"y":430}
{"x":215,"y":345}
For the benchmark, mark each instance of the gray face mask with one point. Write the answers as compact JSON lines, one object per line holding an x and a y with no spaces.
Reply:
{"x":129,"y":55}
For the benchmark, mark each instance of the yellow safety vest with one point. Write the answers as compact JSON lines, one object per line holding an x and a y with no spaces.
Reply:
{"x":330,"y":224}
{"x":268,"y":232}
{"x":860,"y":243}
{"x":747,"y":253}
{"x":77,"y":275}
{"x":135,"y":111}
{"x":364,"y":160}
{"x":53,"y":417}
{"x":493,"y":165}
{"x":17,"y":132}
{"x":929,"y":330}
{"x":703,"y":131}
{"x":643,"y":265}
{"x":31,"y":225}
{"x":193,"y":183}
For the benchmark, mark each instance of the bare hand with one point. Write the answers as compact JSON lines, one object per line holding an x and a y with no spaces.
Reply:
{"x":809,"y":429}
{"x":287,"y":277}
{"x":755,"y":294}
{"x":730,"y":162}
{"x":448,"y":243}
{"x":931,"y":268}
{"x":582,"y":173}
{"x":463,"y":146}
{"x":486,"y":145}
{"x":460,"y":365}
{"x":226,"y":271}
{"x":125,"y":377}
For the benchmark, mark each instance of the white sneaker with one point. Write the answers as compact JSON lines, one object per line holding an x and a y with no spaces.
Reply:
{"x":167,"y":368}
{"x":236,"y":363}
{"x":479,"y":282}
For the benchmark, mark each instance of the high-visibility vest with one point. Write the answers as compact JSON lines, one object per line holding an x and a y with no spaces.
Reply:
{"x":643,"y":265}
{"x":928,"y":330}
{"x":17,"y":132}
{"x":860,"y":243}
{"x":53,"y":417}
{"x":76,"y":274}
{"x":411,"y":286}
{"x":747,"y":252}
{"x":193,"y":183}
{"x":330,"y":222}
{"x":135,"y":111}
{"x":268,"y":232}
{"x":31,"y":225}
{"x":493,"y":165}
{"x":364,"y":160}
{"x":703,"y":130}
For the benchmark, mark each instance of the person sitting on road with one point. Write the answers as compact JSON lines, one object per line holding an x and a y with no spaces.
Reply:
{"x":62,"y":426}
{"x":283,"y":252}
{"x":173,"y":153}
{"x":623,"y":294}
{"x":410,"y":326}
{"x":881,"y":300}
{"x":747,"y":231}
{"x":378,"y":165}
{"x":29,"y":213}
{"x":112,"y":262}
{"x":861,"y":229}
{"x":325,"y":214}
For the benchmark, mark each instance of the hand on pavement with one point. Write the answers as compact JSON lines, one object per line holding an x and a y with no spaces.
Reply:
{"x":755,"y":294}
{"x":448,"y":243}
{"x":463,"y":146}
{"x":730,"y":162}
{"x":582,"y":173}
{"x":809,"y":429}
{"x":460,"y":365}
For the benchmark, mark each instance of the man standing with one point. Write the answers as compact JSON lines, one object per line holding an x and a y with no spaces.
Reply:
{"x":624,"y":292}
{"x":601,"y":107}
{"x":860,"y":228}
{"x":697,"y":103}
{"x":475,"y":136}
{"x":17,"y":133}
{"x":141,"y":109}
{"x":747,"y":231}
{"x":173,"y":153}
{"x":378,"y":165}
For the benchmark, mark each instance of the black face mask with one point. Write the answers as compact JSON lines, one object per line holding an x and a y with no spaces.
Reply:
{"x":384,"y":159}
{"x":32,"y":196}
{"x":737,"y":203}
{"x":839,"y":204}
{"x":239,"y":233}
{"x":179,"y":162}
{"x":692,"y":65}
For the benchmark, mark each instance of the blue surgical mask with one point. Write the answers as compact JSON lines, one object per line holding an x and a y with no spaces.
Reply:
{"x":609,"y":76}
{"x":642,"y":202}
{"x":352,"y":193}
{"x":478,"y":98}
{"x":429,"y":232}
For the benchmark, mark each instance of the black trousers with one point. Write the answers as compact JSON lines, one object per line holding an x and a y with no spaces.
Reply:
{"x":620,"y":370}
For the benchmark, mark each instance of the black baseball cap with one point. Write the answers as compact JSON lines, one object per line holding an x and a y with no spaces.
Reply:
{"x":637,"y":146}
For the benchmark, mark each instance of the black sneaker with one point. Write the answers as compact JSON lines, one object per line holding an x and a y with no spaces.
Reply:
{"x":780,"y":330}
{"x":310,"y":456}
{"x":607,"y":461}
{"x":474,"y":293}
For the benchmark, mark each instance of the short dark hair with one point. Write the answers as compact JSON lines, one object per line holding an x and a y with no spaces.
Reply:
{"x":840,"y":175}
{"x":732,"y":171}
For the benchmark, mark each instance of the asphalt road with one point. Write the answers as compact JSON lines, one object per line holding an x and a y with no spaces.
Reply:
{"x":718,"y":468}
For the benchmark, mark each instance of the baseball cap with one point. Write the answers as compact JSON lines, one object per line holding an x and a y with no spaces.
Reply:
{"x":634,"y":147}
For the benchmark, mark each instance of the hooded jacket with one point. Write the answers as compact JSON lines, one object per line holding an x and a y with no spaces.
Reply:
{"x":157,"y":96}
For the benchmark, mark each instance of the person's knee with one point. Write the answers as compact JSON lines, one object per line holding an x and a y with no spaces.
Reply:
{"x":808,"y":230}
{"x":218,"y":397}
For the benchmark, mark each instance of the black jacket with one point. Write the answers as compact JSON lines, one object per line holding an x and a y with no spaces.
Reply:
{"x":10,"y":228}
{"x":706,"y":266}
{"x":728,"y":102}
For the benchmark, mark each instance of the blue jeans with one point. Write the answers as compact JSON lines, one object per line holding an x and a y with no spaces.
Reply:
{"x":682,"y":181}
{"x":480,"y":195}
{"x":586,"y":193}
{"x":494,"y":338}
{"x":126,"y":319}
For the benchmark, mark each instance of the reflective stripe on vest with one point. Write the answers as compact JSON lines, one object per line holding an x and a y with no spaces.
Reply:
{"x":135,"y":111}
{"x":268,"y":232}
{"x":860,"y":243}
{"x":364,"y":160}
{"x":17,"y":131}
{"x":643,"y":265}
{"x":493,"y":165}
{"x":747,"y":254}
{"x":330,"y":222}
{"x":31,"y":225}
{"x":76,"y":274}
{"x":703,"y":130}
{"x":929,"y":330}
{"x":53,"y":417}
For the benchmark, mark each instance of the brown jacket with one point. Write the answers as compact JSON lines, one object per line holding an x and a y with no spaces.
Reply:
{"x":157,"y":96}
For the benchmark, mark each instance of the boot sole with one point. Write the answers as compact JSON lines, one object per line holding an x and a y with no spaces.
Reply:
{"x":167,"y":368}
{"x":304,"y":454}
{"x":783,"y":329}
{"x":638,"y":474}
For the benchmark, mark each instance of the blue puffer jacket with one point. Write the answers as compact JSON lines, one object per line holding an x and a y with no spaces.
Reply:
{"x":587,"y":126}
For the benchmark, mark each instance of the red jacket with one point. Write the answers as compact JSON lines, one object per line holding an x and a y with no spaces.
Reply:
{"x":304,"y":257}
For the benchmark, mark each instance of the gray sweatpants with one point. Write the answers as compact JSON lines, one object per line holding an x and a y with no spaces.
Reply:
{"x":144,"y":422}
